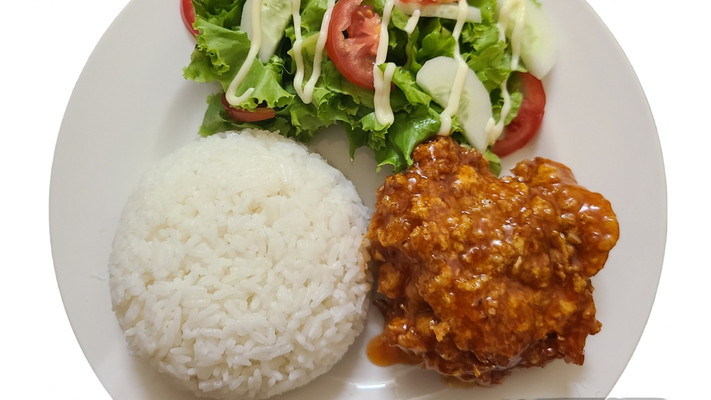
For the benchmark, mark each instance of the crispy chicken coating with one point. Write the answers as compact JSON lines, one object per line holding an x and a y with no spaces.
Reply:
{"x":479,"y":275}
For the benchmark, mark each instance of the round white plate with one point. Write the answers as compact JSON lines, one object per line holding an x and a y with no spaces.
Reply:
{"x":132,"y":106}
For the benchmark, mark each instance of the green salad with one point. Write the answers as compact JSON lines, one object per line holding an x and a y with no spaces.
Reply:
{"x":403,"y":54}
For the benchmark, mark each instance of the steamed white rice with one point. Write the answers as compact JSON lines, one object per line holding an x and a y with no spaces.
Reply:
{"x":236,"y":267}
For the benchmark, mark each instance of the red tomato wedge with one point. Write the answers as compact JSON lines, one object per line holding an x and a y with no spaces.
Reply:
{"x":187,"y":12}
{"x":528,"y":120}
{"x":242,"y":115}
{"x":352,"y":44}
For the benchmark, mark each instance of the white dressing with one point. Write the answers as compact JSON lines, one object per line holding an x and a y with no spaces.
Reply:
{"x":307,"y":91}
{"x":412,"y":21}
{"x":517,"y":8}
{"x":296,"y":49}
{"x":381,"y":101}
{"x":254,"y":46}
{"x":318,"y":54}
{"x":455,"y":95}
{"x":383,"y":79}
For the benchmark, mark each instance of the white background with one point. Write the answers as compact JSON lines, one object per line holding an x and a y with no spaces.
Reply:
{"x":47,"y":42}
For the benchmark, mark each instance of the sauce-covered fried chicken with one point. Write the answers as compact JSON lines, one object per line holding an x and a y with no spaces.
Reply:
{"x":480,"y":274}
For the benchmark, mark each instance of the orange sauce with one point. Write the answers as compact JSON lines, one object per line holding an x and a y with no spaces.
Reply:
{"x":382,"y":354}
{"x":480,"y":274}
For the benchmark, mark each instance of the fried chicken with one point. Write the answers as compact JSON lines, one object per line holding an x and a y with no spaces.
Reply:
{"x":479,"y":275}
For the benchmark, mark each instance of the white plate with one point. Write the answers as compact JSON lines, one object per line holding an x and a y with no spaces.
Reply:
{"x":131,"y":106}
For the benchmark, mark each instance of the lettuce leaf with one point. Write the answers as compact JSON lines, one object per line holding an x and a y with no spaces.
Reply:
{"x":218,"y":56}
{"x":224,"y":13}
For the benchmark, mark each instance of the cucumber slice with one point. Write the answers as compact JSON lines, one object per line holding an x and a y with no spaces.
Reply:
{"x":539,"y":47}
{"x":446,"y":11}
{"x":436,"y":77}
{"x":275,"y":16}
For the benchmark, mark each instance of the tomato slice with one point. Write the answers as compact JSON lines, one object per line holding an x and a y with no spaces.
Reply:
{"x":242,"y":115}
{"x":187,"y":12}
{"x":528,"y":120}
{"x":352,"y":44}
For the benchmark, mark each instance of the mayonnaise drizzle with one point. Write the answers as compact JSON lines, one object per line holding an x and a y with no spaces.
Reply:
{"x":493,"y":128}
{"x":254,"y":46}
{"x":412,"y":21}
{"x":306,"y":92}
{"x":298,"y":57}
{"x":456,"y":94}
{"x":383,"y":79}
{"x":318,"y":55}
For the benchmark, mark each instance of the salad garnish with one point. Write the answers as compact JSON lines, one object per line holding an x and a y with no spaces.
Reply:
{"x":392,"y":73}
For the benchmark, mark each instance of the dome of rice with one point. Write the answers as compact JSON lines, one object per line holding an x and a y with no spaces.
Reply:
{"x":237,"y":266}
